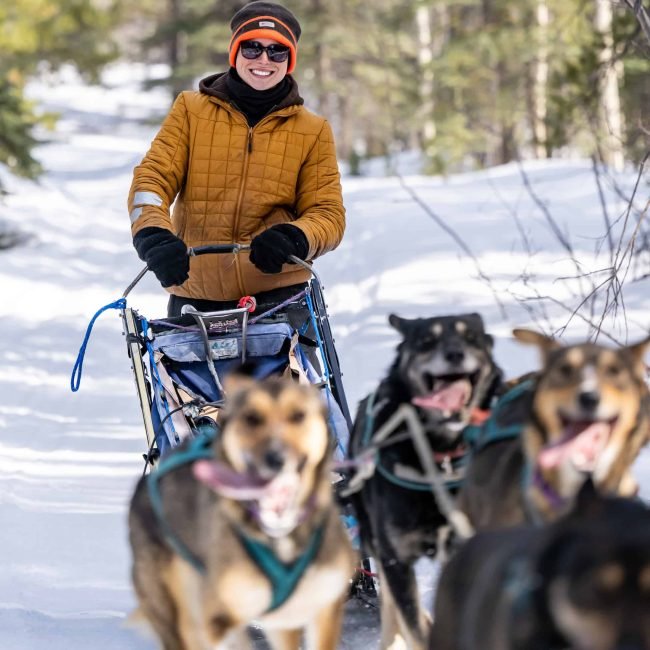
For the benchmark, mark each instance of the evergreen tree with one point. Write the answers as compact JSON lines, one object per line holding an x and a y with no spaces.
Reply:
{"x":45,"y":33}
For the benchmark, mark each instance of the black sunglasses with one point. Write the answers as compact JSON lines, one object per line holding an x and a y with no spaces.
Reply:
{"x":253,"y":50}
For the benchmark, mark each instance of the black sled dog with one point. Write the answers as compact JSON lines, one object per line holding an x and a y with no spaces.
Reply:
{"x":444,"y":368}
{"x":581,"y":582}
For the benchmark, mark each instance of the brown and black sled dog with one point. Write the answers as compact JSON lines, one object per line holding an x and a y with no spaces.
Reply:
{"x":581,"y":582}
{"x":249,"y":534}
{"x":586,"y":414}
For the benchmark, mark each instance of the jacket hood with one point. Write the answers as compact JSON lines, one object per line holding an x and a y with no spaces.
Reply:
{"x":215,"y":86}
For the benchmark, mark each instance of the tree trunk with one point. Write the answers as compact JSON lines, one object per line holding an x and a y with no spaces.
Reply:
{"x":323,"y":64}
{"x":540,"y":82}
{"x":174,"y":47}
{"x":425,"y":60}
{"x":610,"y":116}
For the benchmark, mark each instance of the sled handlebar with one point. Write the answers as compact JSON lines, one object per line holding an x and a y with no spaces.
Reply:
{"x":219,"y":249}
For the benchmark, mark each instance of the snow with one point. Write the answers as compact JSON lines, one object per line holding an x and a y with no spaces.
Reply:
{"x":68,"y":462}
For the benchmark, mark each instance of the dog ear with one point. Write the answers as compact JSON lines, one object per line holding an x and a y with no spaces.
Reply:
{"x":475,"y":319}
{"x":238,"y":380}
{"x":638,"y":350}
{"x":402,"y":325}
{"x":543,"y":342}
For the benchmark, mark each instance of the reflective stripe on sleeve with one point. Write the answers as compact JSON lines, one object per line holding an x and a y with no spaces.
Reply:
{"x":136,"y":213}
{"x":146,"y":198}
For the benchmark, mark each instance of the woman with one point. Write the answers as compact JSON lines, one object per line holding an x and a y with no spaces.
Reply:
{"x":245,"y":163}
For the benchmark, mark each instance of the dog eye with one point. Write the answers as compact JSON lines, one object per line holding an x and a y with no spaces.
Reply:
{"x":613,"y":370}
{"x":470,"y":336}
{"x":296,"y":417}
{"x":565,"y":370}
{"x":252,"y":419}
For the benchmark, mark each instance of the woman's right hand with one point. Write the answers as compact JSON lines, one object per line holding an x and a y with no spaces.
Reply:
{"x":164,"y":253}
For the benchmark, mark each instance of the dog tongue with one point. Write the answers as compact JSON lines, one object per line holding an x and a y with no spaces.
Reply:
{"x":452,"y":396}
{"x":585,"y":444}
{"x":224,"y":480}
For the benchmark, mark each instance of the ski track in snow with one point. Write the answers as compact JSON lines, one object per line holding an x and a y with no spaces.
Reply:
{"x":68,"y":462}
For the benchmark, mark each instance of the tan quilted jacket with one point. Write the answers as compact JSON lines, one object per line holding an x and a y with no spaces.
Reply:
{"x":231,"y":182}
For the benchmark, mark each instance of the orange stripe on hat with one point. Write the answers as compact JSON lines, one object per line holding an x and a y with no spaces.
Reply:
{"x":241,"y":34}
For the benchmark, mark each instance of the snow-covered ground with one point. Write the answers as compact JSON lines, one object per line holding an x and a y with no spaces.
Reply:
{"x":68,"y":462}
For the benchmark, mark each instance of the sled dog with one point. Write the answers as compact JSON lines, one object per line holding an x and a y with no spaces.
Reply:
{"x":444,"y":368}
{"x":582,"y":581}
{"x":245,"y":530}
{"x":586,"y":414}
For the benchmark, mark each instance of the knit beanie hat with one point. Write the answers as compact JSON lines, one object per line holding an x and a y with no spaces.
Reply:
{"x":265,"y":20}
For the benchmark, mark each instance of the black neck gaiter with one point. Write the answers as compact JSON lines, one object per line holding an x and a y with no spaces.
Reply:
{"x":255,"y":104}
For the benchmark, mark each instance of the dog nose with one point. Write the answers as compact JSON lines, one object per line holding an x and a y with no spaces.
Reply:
{"x":588,"y":400}
{"x":274,"y":459}
{"x":454,"y":356}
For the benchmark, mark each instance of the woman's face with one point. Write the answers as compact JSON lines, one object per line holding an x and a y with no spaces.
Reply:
{"x":261,"y":73}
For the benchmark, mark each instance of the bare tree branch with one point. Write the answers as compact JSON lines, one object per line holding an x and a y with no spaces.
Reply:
{"x":459,"y":241}
{"x":603,"y":205}
{"x":641,"y":13}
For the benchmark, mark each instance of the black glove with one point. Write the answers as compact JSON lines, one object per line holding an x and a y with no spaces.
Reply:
{"x":165,"y":254}
{"x":271,"y":248}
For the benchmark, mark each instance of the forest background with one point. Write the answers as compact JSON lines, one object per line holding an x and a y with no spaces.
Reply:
{"x":470,"y":84}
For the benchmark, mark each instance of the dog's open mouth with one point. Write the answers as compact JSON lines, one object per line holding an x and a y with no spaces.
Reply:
{"x":277,"y":505}
{"x":224,"y":480}
{"x":582,"y":444}
{"x":449,"y":394}
{"x":279,"y":511}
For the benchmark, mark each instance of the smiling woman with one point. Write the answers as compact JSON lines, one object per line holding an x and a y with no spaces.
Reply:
{"x":243,"y":161}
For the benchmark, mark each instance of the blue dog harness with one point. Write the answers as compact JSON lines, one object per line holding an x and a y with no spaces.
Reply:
{"x":497,"y":428}
{"x":475,"y":437}
{"x":453,"y":466}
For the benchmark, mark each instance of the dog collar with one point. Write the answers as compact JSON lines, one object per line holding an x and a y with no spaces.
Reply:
{"x":555,"y":500}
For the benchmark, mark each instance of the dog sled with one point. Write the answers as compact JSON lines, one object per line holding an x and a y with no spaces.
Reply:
{"x":179,"y":364}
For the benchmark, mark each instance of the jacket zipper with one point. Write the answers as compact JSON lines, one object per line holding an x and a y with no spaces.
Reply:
{"x":250,"y":128}
{"x":247,"y":152}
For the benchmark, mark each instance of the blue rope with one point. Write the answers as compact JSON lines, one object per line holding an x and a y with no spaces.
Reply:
{"x":75,"y":379}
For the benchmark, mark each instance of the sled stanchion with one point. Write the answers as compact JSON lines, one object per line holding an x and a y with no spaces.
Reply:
{"x":139,"y":371}
{"x":335,"y":376}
